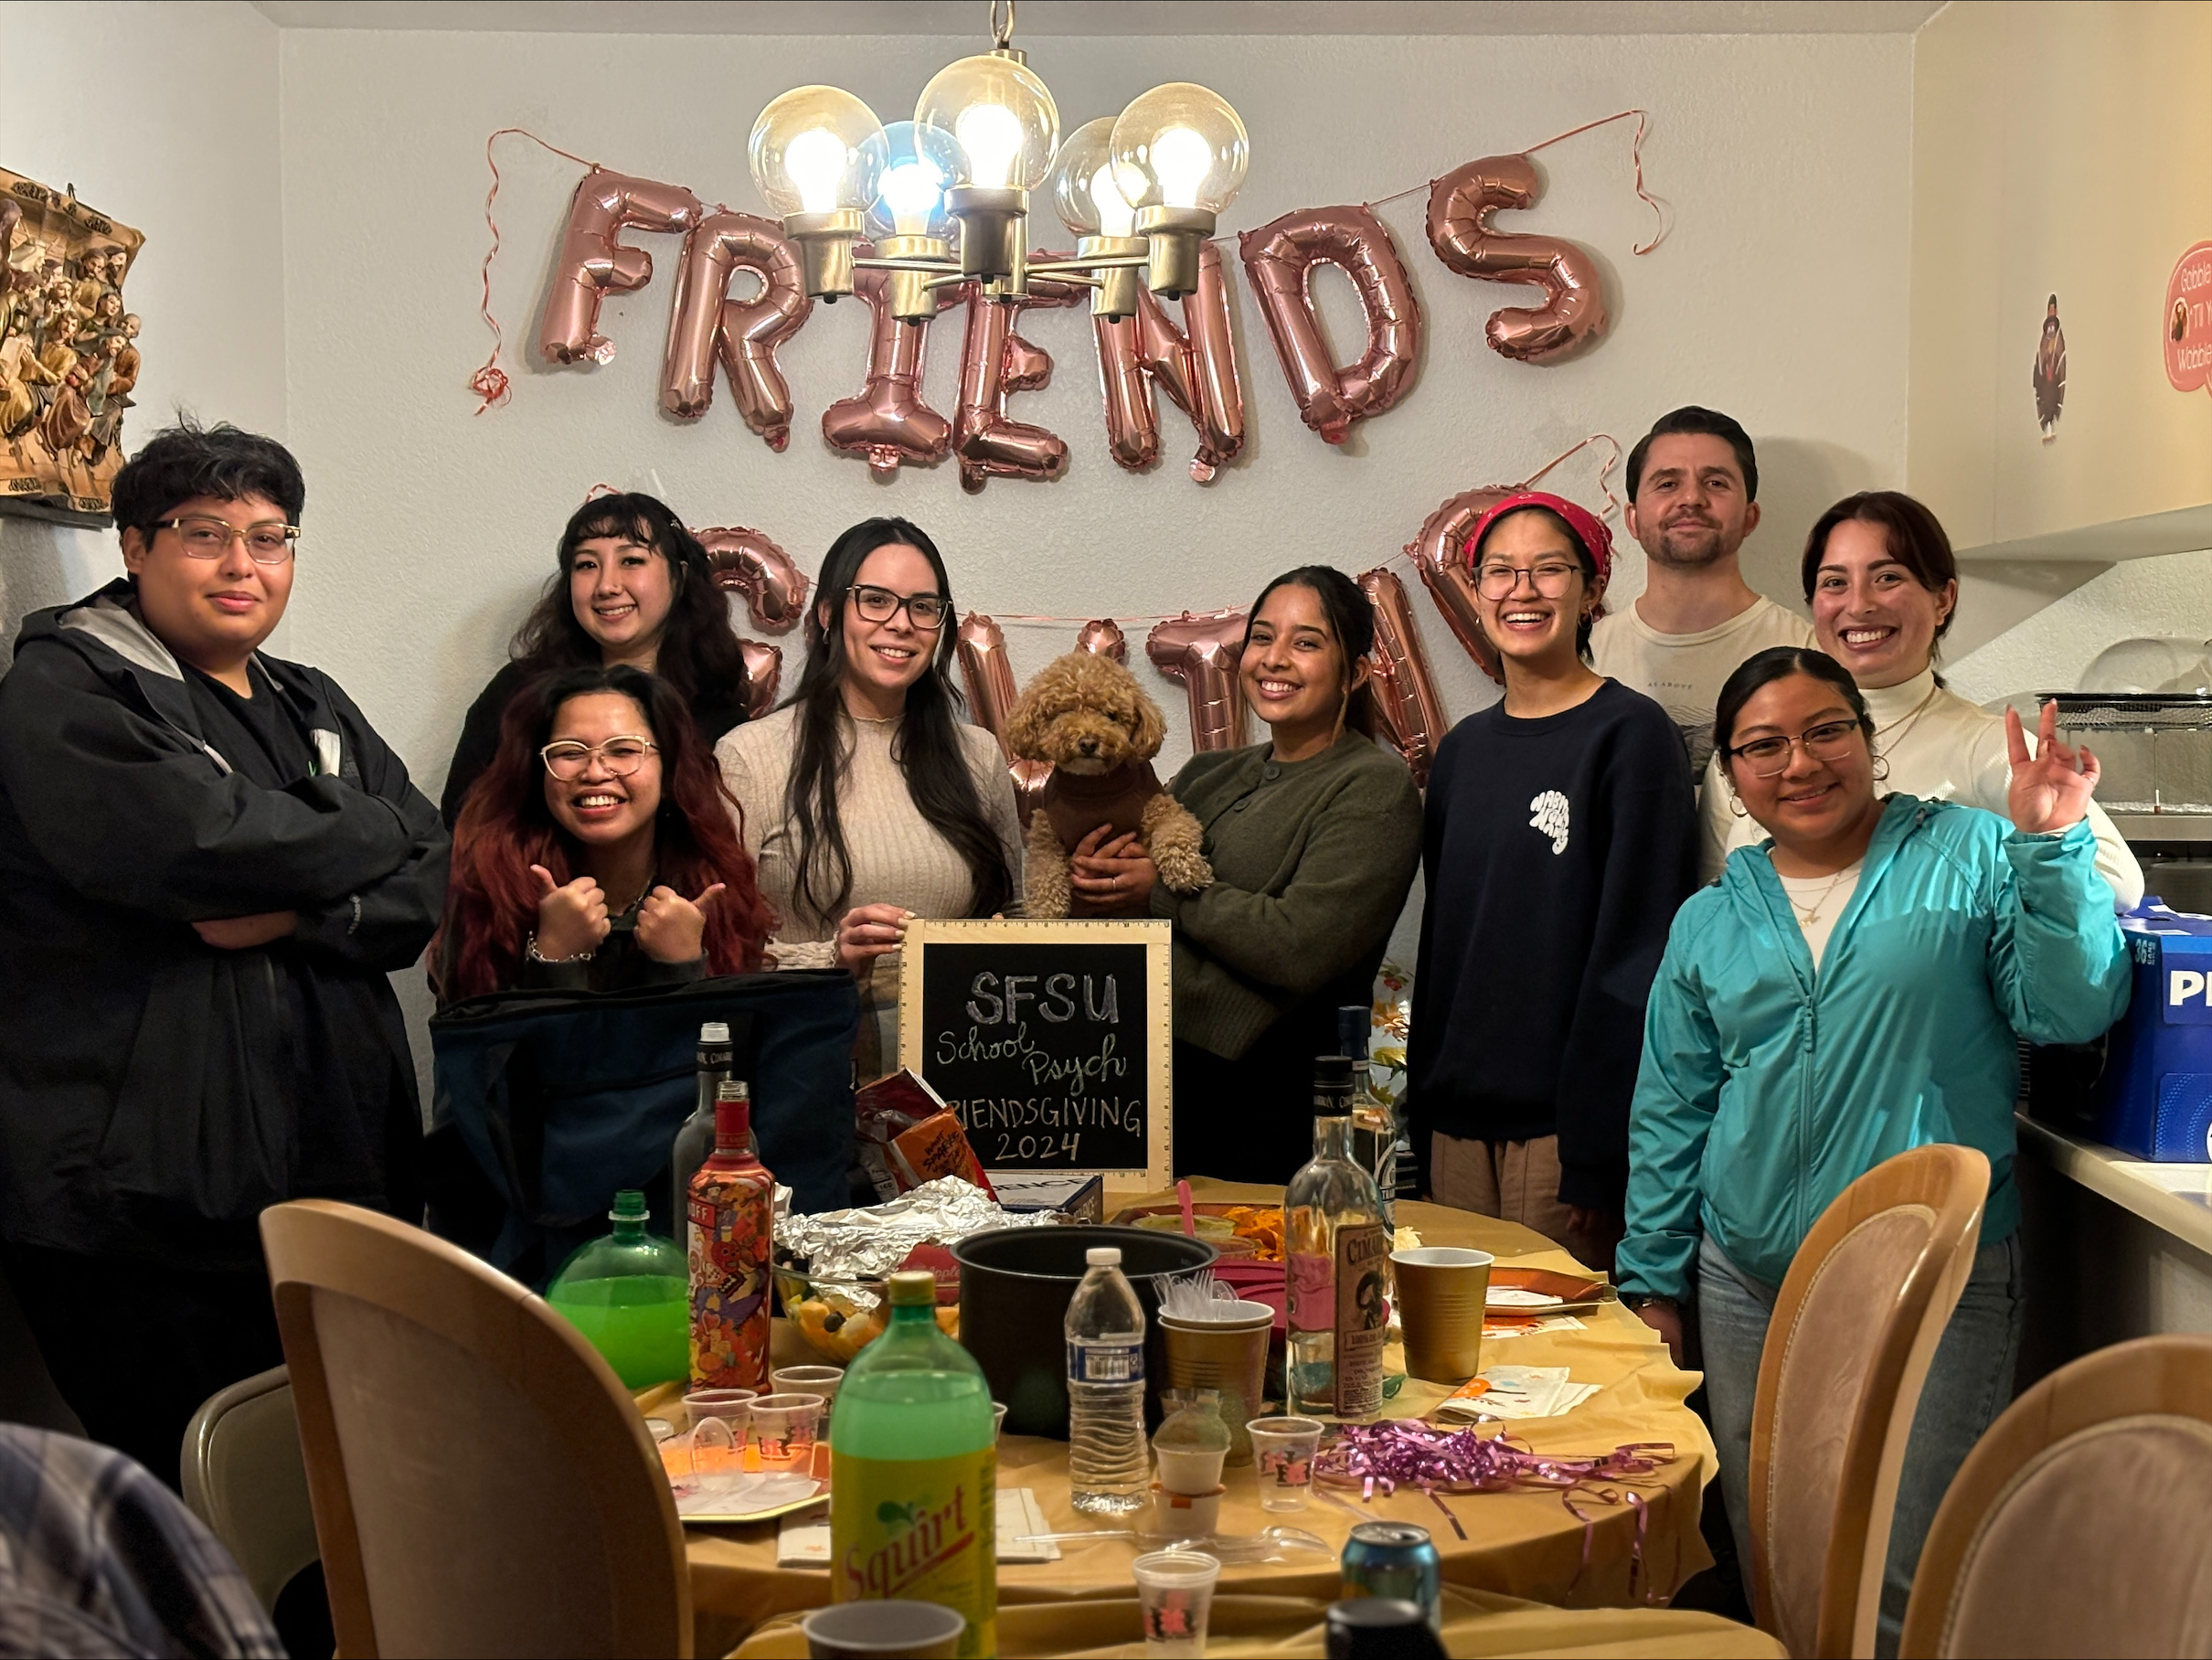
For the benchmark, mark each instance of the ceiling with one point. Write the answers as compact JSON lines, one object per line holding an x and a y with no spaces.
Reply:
{"x":1041,"y":17}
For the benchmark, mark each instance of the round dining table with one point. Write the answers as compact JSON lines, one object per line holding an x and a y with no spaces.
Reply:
{"x":1621,"y":1544}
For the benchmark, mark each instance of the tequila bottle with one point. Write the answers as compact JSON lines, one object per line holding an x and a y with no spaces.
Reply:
{"x":1338,"y":1246}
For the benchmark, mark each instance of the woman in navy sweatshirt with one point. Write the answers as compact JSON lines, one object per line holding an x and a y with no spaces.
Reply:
{"x":1559,"y":838}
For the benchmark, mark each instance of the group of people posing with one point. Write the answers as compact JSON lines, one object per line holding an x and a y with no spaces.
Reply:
{"x":212,"y":862}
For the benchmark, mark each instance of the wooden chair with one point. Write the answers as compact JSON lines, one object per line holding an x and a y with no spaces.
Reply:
{"x":1847,"y":1350}
{"x":482,"y":1482}
{"x":2078,"y":1525}
{"x":243,"y":1476}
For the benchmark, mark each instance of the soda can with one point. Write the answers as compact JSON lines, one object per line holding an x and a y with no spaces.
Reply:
{"x":1395,"y":1560}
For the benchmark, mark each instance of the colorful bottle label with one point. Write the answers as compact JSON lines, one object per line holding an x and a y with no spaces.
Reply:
{"x":731,"y":1234}
{"x":1362,"y":1317}
{"x":924,"y":1528}
{"x":1095,"y":1362}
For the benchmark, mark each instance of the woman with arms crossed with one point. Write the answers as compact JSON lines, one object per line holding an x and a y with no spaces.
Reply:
{"x":1855,"y":985}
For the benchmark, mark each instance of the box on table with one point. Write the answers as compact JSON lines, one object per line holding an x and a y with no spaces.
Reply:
{"x":1080,"y":1198}
{"x":2155,"y":1099}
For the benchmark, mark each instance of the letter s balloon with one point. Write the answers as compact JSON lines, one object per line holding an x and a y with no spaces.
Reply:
{"x":1459,"y":207}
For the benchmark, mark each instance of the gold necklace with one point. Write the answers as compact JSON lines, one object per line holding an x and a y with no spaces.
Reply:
{"x":1903,"y":723}
{"x":1811,"y":916}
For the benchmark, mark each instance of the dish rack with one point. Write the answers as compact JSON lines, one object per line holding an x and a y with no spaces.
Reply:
{"x":2155,"y":749}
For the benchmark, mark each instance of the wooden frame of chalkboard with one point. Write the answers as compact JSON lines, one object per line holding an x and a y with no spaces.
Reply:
{"x":1051,"y":1040}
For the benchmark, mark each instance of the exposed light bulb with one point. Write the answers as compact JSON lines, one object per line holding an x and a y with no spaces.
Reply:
{"x":1116,"y":216}
{"x":1180,"y":160}
{"x":910,"y":190}
{"x":815,"y":162}
{"x":992,"y":135}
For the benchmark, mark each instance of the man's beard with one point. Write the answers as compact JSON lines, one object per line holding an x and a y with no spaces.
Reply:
{"x":1710,"y":547}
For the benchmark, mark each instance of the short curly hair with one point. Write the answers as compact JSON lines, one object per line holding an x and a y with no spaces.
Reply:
{"x":186,"y":460}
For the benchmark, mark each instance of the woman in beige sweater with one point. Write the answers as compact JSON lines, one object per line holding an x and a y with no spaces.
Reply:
{"x":865,"y":799}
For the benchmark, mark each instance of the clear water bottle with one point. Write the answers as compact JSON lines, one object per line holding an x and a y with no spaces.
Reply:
{"x":1108,"y":1465}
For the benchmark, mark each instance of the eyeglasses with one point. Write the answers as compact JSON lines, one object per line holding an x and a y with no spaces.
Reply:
{"x":925,"y":610}
{"x":1769,"y":757}
{"x":567,"y":759}
{"x":1495,"y":582}
{"x":270,"y":543}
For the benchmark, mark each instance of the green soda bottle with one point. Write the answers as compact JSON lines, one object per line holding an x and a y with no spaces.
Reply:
{"x":914,"y":1471}
{"x":630,"y":1294}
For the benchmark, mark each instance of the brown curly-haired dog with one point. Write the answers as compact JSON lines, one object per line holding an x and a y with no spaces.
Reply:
{"x":1087,"y":715}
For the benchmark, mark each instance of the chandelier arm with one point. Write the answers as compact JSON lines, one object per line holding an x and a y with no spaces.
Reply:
{"x":908,"y":262}
{"x":1067,"y":270}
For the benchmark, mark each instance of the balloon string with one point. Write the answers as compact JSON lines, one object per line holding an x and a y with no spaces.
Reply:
{"x":490,"y":382}
{"x":1636,"y":152}
{"x":1613,"y":503}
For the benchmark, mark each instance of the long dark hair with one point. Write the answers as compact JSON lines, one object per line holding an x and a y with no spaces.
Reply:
{"x":1779,"y":663}
{"x":490,"y":902}
{"x":697,"y":647}
{"x":1351,"y":619}
{"x":928,"y":748}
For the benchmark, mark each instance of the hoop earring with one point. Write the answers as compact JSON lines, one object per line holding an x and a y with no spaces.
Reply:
{"x":1881,"y":769}
{"x":1736,"y":805}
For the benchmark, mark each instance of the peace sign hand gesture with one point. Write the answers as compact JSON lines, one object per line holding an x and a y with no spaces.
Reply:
{"x":673,"y":929}
{"x":2050,"y":793}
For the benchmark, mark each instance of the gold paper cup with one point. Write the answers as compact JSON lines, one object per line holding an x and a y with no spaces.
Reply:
{"x":1442,"y":1292}
{"x":1230,"y":1357}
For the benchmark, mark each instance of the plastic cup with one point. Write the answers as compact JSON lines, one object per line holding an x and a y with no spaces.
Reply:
{"x":733,"y":1407}
{"x":1175,"y":1593}
{"x":1228,"y":1354}
{"x":786,"y":1426}
{"x":1442,"y":1292}
{"x":998,"y":1420}
{"x":1282,"y":1454}
{"x":821,"y":1380}
{"x":860,"y":1631}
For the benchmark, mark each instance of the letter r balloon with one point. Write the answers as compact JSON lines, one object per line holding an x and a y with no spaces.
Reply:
{"x":744,"y":333}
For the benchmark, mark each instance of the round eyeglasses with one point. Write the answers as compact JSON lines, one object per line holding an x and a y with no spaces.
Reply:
{"x":1551,"y":580}
{"x":925,"y":610}
{"x":567,"y":759}
{"x":1769,"y":757}
{"x":270,"y":542}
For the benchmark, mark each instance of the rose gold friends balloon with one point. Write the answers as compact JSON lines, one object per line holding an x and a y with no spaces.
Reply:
{"x":1439,"y":554}
{"x":1279,"y":258}
{"x":981,"y":645}
{"x":747,"y":562}
{"x":1202,"y":651}
{"x":1196,"y":366}
{"x":1405,"y":691}
{"x":888,"y":424}
{"x":593,"y":264}
{"x":994,"y":362}
{"x":1103,"y":637}
{"x":763,"y":674}
{"x":746,"y":332}
{"x":1459,"y":207}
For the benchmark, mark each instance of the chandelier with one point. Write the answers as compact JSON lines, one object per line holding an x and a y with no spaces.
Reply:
{"x":944,"y":199}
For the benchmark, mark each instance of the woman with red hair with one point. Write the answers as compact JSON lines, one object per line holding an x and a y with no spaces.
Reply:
{"x":600,"y":849}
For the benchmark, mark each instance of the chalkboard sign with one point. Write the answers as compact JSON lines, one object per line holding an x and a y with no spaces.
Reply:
{"x":1050,"y":1039}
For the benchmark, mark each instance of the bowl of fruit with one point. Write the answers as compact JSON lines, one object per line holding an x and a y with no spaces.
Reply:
{"x":839,"y":1317}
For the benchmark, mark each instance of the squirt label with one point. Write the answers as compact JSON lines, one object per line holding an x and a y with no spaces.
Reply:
{"x":923,"y":1529}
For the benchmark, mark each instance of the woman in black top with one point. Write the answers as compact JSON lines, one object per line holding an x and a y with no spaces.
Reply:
{"x":635,"y":587}
{"x":1558,"y":840}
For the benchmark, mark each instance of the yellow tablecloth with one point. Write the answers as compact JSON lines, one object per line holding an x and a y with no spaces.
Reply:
{"x":1523,"y":1545}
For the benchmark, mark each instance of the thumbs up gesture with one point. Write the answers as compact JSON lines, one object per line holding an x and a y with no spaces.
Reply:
{"x":673,"y":929}
{"x":571,"y":919}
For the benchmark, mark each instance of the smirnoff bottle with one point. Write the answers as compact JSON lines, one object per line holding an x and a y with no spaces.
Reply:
{"x":1338,"y":1246}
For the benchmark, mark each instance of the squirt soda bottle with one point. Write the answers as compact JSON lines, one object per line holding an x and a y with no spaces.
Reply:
{"x":914,"y":1471}
{"x":731,"y":1208}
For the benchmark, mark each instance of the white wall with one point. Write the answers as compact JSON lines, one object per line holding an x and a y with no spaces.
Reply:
{"x":166,"y":118}
{"x":1780,"y":297}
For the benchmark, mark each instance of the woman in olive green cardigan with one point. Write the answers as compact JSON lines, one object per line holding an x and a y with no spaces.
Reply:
{"x":1315,"y":836}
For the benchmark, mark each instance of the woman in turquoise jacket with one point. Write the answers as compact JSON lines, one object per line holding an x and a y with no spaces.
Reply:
{"x":1852,"y":988}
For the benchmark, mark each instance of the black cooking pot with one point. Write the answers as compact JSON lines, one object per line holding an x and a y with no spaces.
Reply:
{"x":1015,"y":1287}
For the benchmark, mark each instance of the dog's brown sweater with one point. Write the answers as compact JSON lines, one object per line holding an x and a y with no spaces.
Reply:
{"x":1312,"y":863}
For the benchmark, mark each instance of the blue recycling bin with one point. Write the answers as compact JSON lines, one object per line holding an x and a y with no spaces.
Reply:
{"x":2156,"y":1098}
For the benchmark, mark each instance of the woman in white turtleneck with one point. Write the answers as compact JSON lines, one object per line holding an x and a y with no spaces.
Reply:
{"x":1880,"y":577}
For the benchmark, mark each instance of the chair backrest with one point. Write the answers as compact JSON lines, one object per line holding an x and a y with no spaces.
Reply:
{"x":1854,"y":1327}
{"x":482,"y":1482}
{"x":243,"y":1476}
{"x":2077,"y":1525}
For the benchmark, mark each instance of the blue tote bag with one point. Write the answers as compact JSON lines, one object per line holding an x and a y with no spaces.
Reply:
{"x":562,"y":1098}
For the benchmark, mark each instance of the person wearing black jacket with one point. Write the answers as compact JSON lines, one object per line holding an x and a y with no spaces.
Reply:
{"x":635,"y":587}
{"x":209,"y":862}
{"x":1558,"y":840}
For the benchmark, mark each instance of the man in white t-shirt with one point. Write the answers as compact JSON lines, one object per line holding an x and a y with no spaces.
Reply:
{"x":1693,"y":487}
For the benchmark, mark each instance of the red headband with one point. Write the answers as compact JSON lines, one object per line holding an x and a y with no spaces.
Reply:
{"x":1589,"y":530}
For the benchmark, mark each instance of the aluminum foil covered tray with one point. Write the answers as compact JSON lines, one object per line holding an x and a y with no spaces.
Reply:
{"x":868,"y":1243}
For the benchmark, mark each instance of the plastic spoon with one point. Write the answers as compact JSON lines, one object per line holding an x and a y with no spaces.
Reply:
{"x":1190,"y":1222}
